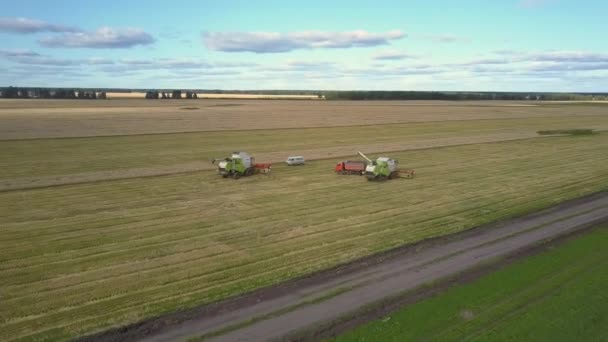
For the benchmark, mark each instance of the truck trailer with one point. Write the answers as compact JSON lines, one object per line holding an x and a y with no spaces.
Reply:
{"x":351,"y":167}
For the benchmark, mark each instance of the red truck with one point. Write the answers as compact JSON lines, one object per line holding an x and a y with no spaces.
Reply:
{"x":351,"y":167}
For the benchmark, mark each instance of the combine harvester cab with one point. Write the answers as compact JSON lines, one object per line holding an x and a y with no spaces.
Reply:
{"x":240,"y":164}
{"x":384,"y":168}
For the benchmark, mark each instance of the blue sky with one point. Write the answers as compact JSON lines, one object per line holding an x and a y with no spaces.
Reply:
{"x":502,"y":45}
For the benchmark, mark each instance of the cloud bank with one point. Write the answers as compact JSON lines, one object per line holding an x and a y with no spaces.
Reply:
{"x":105,"y":37}
{"x":393,"y":55}
{"x":274,"y":42}
{"x":27,"y":26}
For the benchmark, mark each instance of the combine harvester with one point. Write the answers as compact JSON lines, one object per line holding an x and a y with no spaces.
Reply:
{"x":240,"y":164}
{"x":384,"y":168}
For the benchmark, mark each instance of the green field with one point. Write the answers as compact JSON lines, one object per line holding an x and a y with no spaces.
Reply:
{"x":559,"y":295}
{"x":80,"y":258}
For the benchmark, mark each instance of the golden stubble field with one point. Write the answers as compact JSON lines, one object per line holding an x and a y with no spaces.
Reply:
{"x":74,"y":118}
{"x":147,"y":228}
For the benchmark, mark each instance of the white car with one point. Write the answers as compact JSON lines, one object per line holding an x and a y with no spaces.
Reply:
{"x":295,"y":160}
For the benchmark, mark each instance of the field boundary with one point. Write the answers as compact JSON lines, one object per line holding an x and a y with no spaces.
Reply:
{"x":389,"y":305}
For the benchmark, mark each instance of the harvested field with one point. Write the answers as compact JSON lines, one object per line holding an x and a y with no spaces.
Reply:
{"x":141,"y":95}
{"x":257,"y":96}
{"x":133,"y":95}
{"x":80,"y":258}
{"x":60,"y":118}
{"x":46,"y":162}
{"x":124,"y":171}
{"x":100,"y":230}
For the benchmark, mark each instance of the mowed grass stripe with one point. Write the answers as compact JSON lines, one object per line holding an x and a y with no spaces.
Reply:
{"x":84,"y":200}
{"x":311,"y":211}
{"x":308,"y":229}
{"x":321,"y":219}
{"x":451,"y":213}
{"x":453,"y":172}
{"x":53,"y":157}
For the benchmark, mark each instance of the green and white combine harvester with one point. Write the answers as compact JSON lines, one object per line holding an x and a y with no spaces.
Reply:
{"x":240,"y":164}
{"x":384,"y":168}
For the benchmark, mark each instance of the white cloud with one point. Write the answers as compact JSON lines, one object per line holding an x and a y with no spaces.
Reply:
{"x":105,"y":37}
{"x":566,"y":56}
{"x":446,"y":38}
{"x":18,"y":53}
{"x":273,"y":42}
{"x":26,"y":26}
{"x":33,"y":58}
{"x":99,"y":61}
{"x":394,"y":55}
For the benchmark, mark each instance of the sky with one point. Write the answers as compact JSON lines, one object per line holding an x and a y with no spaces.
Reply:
{"x":499,"y":45}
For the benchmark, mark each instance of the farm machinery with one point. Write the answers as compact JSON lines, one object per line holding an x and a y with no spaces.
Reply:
{"x":350,"y":167}
{"x":384,"y":168}
{"x":240,"y":164}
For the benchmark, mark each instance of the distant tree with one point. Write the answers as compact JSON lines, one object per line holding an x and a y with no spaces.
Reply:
{"x":23,"y":93}
{"x":164,"y":96}
{"x":81,"y":94}
{"x":93,"y":95}
{"x":194,"y":96}
{"x":189,"y":95}
{"x":10,"y":92}
{"x":177,"y":94}
{"x":45,"y":93}
{"x":102,"y":95}
{"x":152,"y":95}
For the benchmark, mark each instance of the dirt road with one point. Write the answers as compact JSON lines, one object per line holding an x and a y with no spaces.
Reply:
{"x":299,"y":305}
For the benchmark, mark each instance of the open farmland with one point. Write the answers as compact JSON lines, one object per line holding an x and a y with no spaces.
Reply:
{"x":77,"y":258}
{"x":73,"y":118}
{"x":556,"y":296}
{"x":142,"y":95}
{"x":45,"y":162}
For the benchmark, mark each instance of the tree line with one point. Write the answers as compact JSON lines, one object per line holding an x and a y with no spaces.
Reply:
{"x":48,"y":93}
{"x":175,"y":94}
{"x":355,"y":95}
{"x":63,"y":93}
{"x":458,"y":96}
